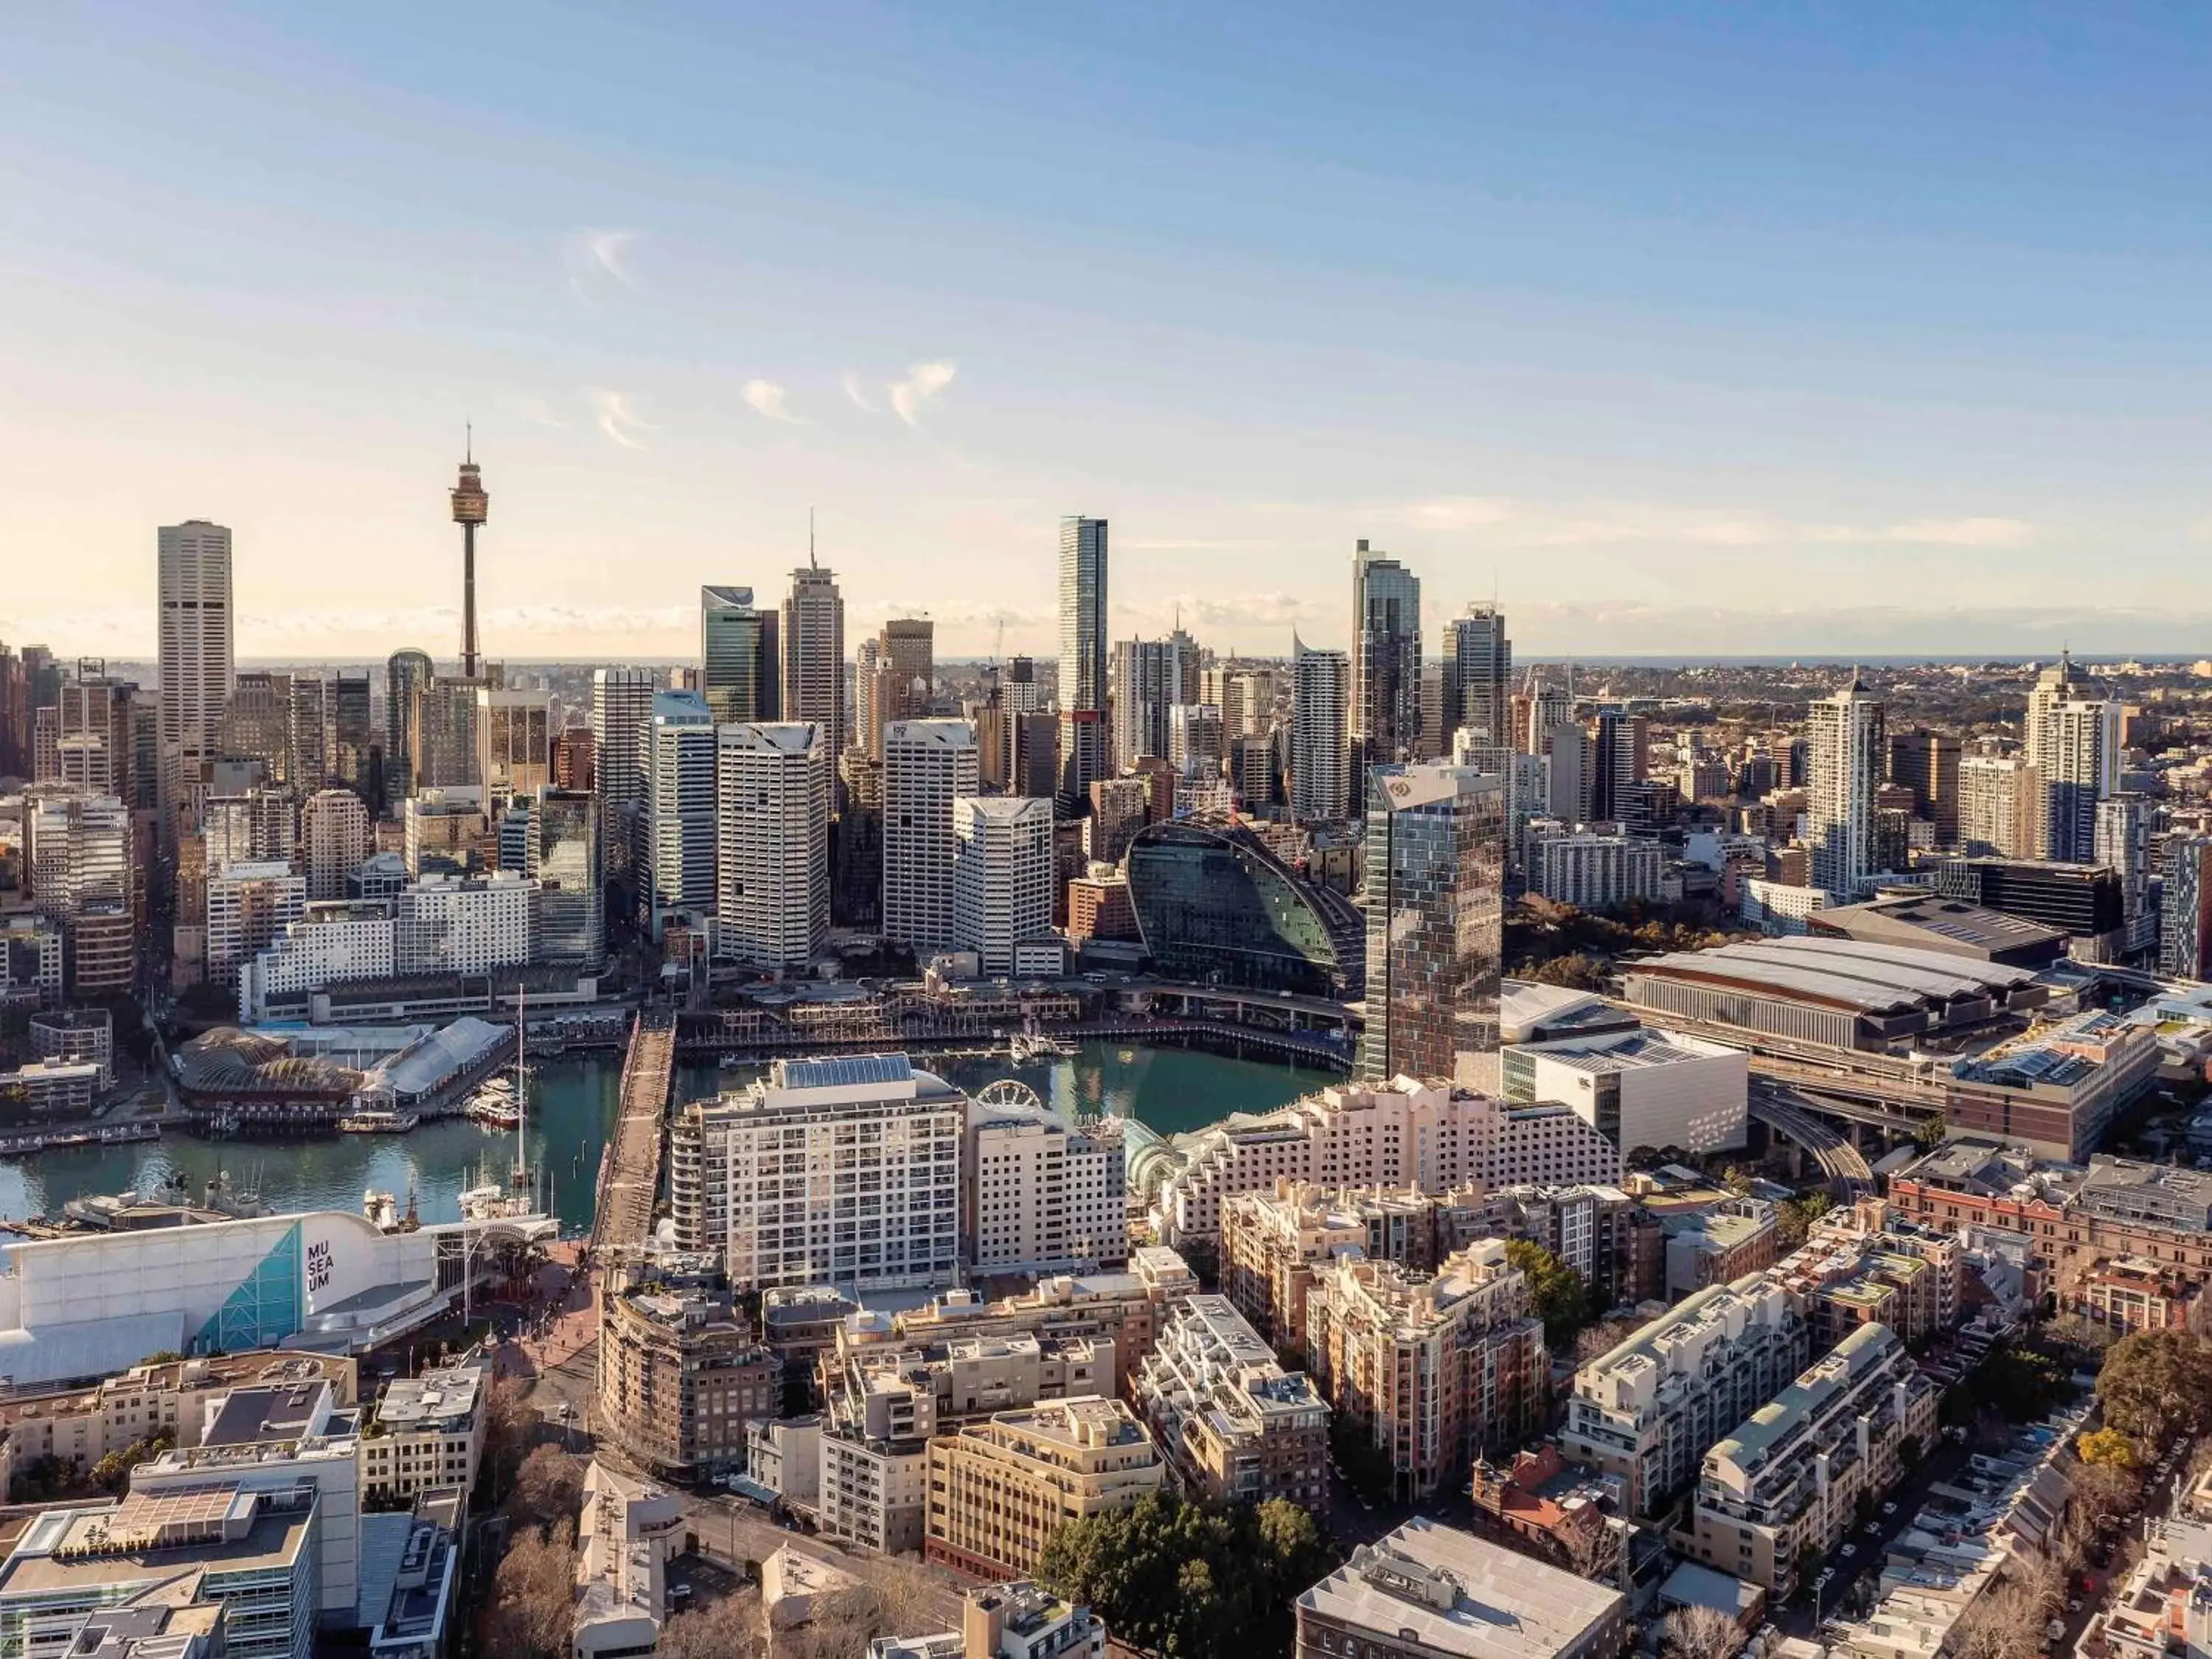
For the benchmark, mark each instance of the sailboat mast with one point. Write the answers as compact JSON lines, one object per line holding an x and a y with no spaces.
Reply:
{"x":521,"y":1095}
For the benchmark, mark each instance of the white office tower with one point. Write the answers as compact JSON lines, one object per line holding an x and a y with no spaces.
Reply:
{"x":1195,"y":738}
{"x":1041,"y":1195}
{"x":928,"y":766}
{"x":197,"y":658}
{"x":1001,"y":876}
{"x":515,"y":742}
{"x":76,"y":854}
{"x":1477,"y":673}
{"x":2078,"y":767}
{"x":814,"y":655}
{"x":1321,"y":681}
{"x":1383,"y":716}
{"x":1084,"y":754}
{"x":335,"y":839}
{"x":464,"y":924}
{"x":1549,"y":708}
{"x":2123,"y":843}
{"x":678,"y":764}
{"x":841,"y":1171}
{"x":249,"y":906}
{"x":1997,"y":797}
{"x":622,"y":703}
{"x":1849,"y":752}
{"x":772,"y":843}
{"x":256,"y":825}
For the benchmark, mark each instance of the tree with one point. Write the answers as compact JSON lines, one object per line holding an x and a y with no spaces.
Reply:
{"x":2155,"y":1382}
{"x":887,"y":1602}
{"x":1556,"y":1291}
{"x":549,"y":1487}
{"x":533,"y":1595}
{"x":721,"y":1629}
{"x":2106,"y":1488}
{"x":2106,"y":1446}
{"x":508,"y":1422}
{"x":2004,"y":1623}
{"x":1593,"y":1552}
{"x":1794,"y":1217}
{"x":1603,"y":1337}
{"x":1930,"y":1135}
{"x":1701,"y":1633}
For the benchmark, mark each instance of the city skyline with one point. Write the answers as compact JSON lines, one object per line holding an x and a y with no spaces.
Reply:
{"x":1661,"y":334}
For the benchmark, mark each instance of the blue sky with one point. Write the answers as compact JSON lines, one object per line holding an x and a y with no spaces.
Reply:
{"x":1697,"y":328}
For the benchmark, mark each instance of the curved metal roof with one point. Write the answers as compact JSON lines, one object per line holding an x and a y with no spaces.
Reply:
{"x":1758,"y":973}
{"x":1941,"y":983}
{"x":1996,"y":975}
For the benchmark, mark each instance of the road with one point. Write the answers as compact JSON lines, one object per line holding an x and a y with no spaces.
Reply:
{"x":1840,"y":1161}
{"x":629,"y":1177}
{"x":1802,"y":1614}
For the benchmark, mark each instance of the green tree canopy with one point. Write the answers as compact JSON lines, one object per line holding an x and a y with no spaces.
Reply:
{"x":1557,"y":1292}
{"x":2155,"y":1381}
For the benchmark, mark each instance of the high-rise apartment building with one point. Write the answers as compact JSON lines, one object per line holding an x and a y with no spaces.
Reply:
{"x":772,"y":839}
{"x":2079,"y":766}
{"x":1849,"y":750}
{"x":2124,"y":843}
{"x":740,"y":661}
{"x":1434,"y":894}
{"x":1084,"y":754}
{"x":1002,"y":875}
{"x":1383,"y":710}
{"x":2185,"y":936}
{"x":1194,"y":739}
{"x":249,"y":906}
{"x":1041,"y":1195}
{"x":1927,"y":763}
{"x":565,"y":860}
{"x":1620,"y":758}
{"x":1477,"y":673}
{"x":999,"y":1489}
{"x":678,"y":763}
{"x":1997,"y":797}
{"x":257,"y":826}
{"x":1148,"y":680}
{"x":77,"y":866}
{"x":1237,"y":1426}
{"x":814,"y":655}
{"x":97,"y":740}
{"x":841,"y":1171}
{"x":406,"y":677}
{"x":1320,"y":685}
{"x":928,"y":766}
{"x":335,"y":839}
{"x":198,"y":659}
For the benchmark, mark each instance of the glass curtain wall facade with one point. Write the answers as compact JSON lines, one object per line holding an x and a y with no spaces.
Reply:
{"x":740,"y":663}
{"x":1214,"y":907}
{"x":564,"y":856}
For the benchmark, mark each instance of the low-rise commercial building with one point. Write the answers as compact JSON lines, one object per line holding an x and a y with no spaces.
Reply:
{"x":1019,"y":1620}
{"x":999,"y":1489}
{"x":76,"y":1036}
{"x":1641,"y":1088}
{"x":2058,"y":1088}
{"x":1786,"y":1485}
{"x":1429,"y":1368}
{"x":1427,"y":1591}
{"x":159,"y":1401}
{"x":1235,"y":1424}
{"x":625,"y":1537}
{"x":1647,"y":1409}
{"x":427,"y":1431}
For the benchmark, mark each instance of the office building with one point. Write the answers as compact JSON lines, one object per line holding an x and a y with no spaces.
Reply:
{"x":441,"y":836}
{"x":1641,"y":1088}
{"x":444,"y":925}
{"x":1434,"y":894}
{"x":814,"y":654}
{"x":621,"y":706}
{"x":426,"y":1431}
{"x":1236,"y":1426}
{"x":356,"y":758}
{"x":1001,"y":1488}
{"x":1791,"y":1481}
{"x":406,"y":677}
{"x":678,"y":762}
{"x":1849,"y":750}
{"x":1618,"y":759}
{"x":740,"y":659}
{"x":1002,"y":877}
{"x":772,"y":838}
{"x":257,"y":824}
{"x":249,"y":905}
{"x":307,"y":760}
{"x":196,"y":651}
{"x":928,"y":765}
{"x":564,"y":860}
{"x":1477,"y":675}
{"x":1648,"y":1409}
{"x":1321,"y":691}
{"x":335,"y":839}
{"x":1118,"y":808}
{"x":881,"y":1208}
{"x":629,"y":1531}
{"x":442,"y":741}
{"x":576,"y":760}
{"x":1594,"y":871}
{"x":1927,"y":763}
{"x":1212,"y":903}
{"x":2085,"y":901}
{"x":514,"y":743}
{"x":1039,"y":1194}
{"x":1428,"y":1591}
{"x":1428,"y":1368}
{"x":682,"y":1374}
{"x":1194,"y":739}
{"x":1382,"y":706}
{"x":2185,"y":938}
{"x":1085,"y":750}
{"x":79,"y":871}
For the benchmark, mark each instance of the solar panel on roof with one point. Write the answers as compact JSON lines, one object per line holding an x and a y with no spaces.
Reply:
{"x":844,"y":1071}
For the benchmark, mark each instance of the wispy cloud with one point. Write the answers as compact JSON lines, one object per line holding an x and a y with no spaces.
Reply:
{"x":539,"y":412}
{"x":595,"y":258}
{"x":852,"y":385}
{"x":1939,"y":532}
{"x":767,"y":398}
{"x":923,"y":382}
{"x":612,"y":413}
{"x":1540,"y":524}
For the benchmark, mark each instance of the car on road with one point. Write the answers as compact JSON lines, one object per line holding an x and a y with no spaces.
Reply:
{"x":1872,"y":1530}
{"x":1889,"y":1508}
{"x":1847,"y":1552}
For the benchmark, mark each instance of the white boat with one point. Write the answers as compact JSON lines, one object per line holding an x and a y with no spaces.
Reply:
{"x":377,"y":1120}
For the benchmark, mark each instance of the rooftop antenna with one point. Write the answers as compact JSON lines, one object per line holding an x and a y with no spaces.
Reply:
{"x":813,"y":563}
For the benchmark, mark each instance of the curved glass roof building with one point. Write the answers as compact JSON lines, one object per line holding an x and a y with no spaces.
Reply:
{"x":1214,"y":906}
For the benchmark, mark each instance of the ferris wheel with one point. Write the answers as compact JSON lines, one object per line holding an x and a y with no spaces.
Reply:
{"x":1010,"y":1091}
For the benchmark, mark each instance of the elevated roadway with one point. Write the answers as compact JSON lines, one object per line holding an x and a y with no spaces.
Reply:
{"x":630,"y":1168}
{"x":1846,"y":1168}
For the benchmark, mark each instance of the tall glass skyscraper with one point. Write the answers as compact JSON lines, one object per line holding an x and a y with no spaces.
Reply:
{"x":814,"y":655}
{"x":1384,"y":715}
{"x":406,"y":676}
{"x":740,"y":665}
{"x":1478,"y":668}
{"x":1436,"y":911}
{"x":1083,"y":756}
{"x":564,"y":856}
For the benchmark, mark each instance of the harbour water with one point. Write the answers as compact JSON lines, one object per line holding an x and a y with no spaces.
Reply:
{"x":572,"y":1107}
